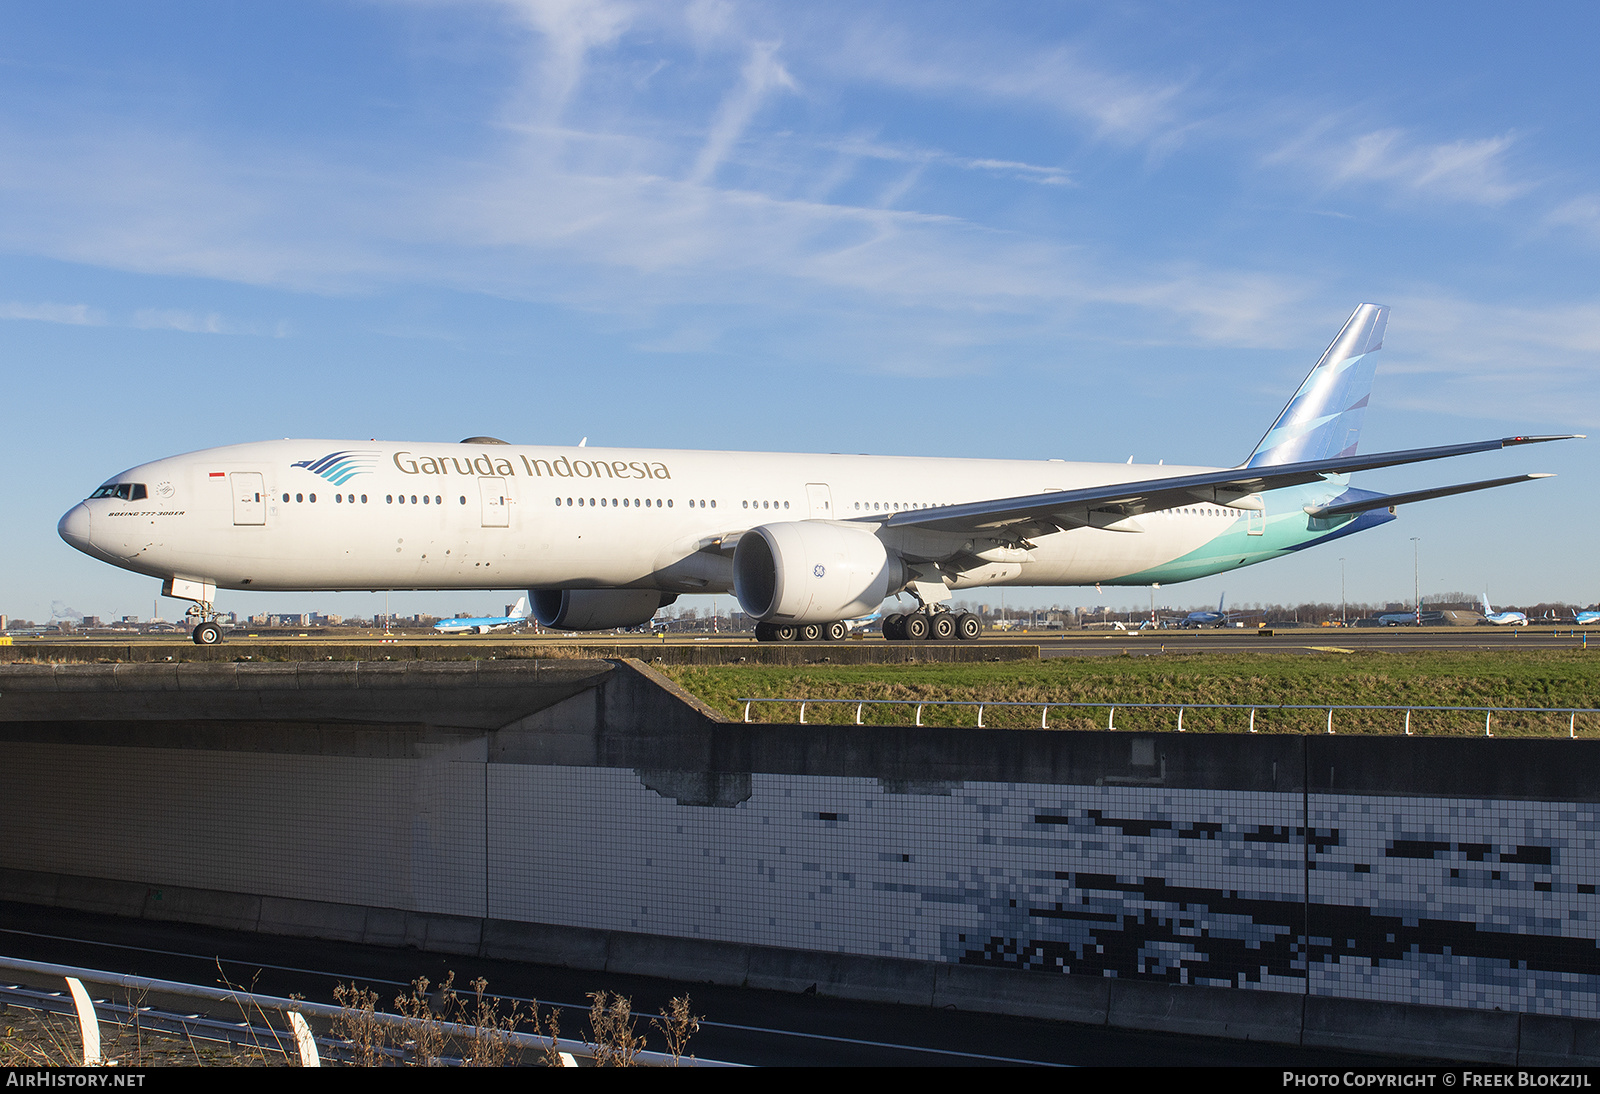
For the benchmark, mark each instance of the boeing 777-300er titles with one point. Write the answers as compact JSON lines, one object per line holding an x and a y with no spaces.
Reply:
{"x":604,"y":538}
{"x":515,"y":617}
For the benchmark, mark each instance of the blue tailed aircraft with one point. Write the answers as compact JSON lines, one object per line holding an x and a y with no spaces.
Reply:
{"x":484,"y":624}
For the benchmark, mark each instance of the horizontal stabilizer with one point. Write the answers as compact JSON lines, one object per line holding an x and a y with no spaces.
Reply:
{"x":1385,"y":501}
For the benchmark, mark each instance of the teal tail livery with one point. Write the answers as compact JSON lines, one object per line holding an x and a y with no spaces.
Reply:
{"x":1323,"y":420}
{"x":604,"y":538}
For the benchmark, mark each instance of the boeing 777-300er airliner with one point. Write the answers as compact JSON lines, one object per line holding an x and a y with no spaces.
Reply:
{"x":604,"y":538}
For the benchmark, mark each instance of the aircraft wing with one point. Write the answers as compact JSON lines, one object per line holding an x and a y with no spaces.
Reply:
{"x":1102,"y":506}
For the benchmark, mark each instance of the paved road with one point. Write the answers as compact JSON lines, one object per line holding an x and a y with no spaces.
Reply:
{"x":743,"y":1026}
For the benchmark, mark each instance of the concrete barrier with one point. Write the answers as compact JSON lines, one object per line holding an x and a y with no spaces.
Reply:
{"x":145,"y":743}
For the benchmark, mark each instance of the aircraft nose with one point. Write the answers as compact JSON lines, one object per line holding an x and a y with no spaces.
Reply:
{"x":74,"y":527}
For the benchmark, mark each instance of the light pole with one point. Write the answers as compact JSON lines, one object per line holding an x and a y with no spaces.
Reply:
{"x":1344,"y":620}
{"x":1416,"y":575}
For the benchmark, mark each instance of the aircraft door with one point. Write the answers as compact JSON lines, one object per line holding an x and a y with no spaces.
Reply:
{"x":821,"y":500}
{"x":249,"y":497}
{"x":1255,"y":521}
{"x":496,"y":502}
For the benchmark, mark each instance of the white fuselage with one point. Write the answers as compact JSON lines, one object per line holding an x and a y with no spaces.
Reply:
{"x":382,"y":515}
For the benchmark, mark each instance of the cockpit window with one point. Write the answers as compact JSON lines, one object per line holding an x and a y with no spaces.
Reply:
{"x":124,"y":491}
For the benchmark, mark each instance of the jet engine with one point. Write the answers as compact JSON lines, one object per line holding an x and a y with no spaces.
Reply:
{"x":812,"y":571}
{"x":597,"y":609}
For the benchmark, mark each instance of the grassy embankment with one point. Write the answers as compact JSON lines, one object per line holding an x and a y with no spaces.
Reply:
{"x":1537,"y":679}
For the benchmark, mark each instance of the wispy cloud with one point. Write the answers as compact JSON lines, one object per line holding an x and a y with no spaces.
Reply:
{"x":1059,"y":79}
{"x":78,"y":315}
{"x":1472,"y":171}
{"x":1582,"y":213}
{"x":570,"y":30}
{"x":175,"y":319}
{"x":762,"y":75}
{"x":1495,"y":360}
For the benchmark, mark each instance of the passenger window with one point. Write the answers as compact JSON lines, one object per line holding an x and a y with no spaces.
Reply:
{"x":313,"y":498}
{"x":299,"y":497}
{"x":363,"y":499}
{"x":286,"y":497}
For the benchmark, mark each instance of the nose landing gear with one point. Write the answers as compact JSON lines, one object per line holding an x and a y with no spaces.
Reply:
{"x":206,"y":632}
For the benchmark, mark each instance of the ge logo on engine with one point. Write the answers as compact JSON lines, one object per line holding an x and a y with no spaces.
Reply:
{"x":818,"y":570}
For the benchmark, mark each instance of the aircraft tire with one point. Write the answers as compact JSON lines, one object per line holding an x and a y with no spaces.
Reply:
{"x":942,"y":627}
{"x":785,"y":632}
{"x":968,"y":626}
{"x":916,"y":627}
{"x":763,"y":632}
{"x":207,"y":634}
{"x":836,"y":632}
{"x":811,"y":632}
{"x":894,"y":628}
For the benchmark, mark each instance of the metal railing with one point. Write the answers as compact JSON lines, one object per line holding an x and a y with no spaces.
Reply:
{"x":1111,"y":708}
{"x":294,"y":1012}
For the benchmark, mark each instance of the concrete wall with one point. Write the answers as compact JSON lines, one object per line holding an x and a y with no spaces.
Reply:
{"x":1434,"y":896}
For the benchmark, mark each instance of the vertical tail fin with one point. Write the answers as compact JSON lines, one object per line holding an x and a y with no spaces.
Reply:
{"x":1323,"y":420}
{"x":522,"y":610}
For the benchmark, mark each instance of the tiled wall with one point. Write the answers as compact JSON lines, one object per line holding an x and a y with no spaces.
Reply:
{"x":1430,"y":900}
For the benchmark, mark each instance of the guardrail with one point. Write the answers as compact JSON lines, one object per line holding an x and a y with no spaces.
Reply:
{"x":255,"y":1032}
{"x":1112,"y":708}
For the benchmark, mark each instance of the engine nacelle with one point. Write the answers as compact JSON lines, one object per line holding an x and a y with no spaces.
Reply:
{"x":597,"y":609}
{"x":812,"y":571}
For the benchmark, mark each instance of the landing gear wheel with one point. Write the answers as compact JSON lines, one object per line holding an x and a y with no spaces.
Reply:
{"x":916,"y":627}
{"x":785,"y":632}
{"x":811,"y":632}
{"x":207,"y":634}
{"x":968,"y":626}
{"x":942,"y":627}
{"x":837,"y":632}
{"x":894,"y":628}
{"x":763,"y":632}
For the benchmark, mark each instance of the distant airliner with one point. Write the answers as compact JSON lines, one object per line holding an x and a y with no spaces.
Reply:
{"x":604,"y":538}
{"x":1502,"y":619}
{"x":484,"y":624}
{"x":1207,"y":619}
{"x":1587,"y":619}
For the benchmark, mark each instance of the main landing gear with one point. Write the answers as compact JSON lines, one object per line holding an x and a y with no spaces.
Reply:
{"x":797,"y":632}
{"x":938,"y":626}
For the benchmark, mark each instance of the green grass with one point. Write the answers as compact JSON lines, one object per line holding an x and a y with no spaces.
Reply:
{"x":1535,"y":679}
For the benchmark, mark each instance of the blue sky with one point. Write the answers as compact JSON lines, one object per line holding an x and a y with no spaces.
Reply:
{"x":1085,"y":231}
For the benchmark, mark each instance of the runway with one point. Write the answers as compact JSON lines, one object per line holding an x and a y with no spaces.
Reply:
{"x":350,"y":643}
